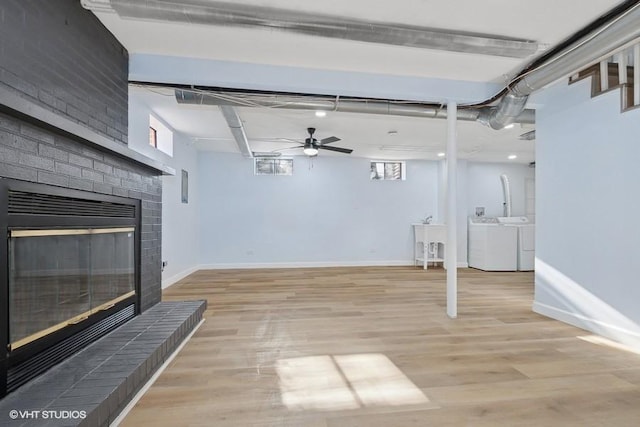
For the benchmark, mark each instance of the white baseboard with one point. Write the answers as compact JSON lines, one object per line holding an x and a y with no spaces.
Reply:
{"x":622,"y":335}
{"x":177,"y":277}
{"x":314,"y":264}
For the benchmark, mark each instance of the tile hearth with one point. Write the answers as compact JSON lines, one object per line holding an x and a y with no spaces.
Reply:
{"x":101,"y":379}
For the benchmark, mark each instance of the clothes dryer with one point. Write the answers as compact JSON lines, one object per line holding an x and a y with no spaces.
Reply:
{"x":492,"y":245}
{"x":526,"y":240}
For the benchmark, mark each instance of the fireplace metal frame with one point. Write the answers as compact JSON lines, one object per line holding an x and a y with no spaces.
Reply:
{"x":70,"y":337}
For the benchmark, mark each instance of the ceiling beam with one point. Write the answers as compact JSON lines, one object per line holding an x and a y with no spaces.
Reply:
{"x":230,"y":14}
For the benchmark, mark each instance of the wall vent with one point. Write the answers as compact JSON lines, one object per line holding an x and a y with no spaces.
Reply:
{"x":22,"y":202}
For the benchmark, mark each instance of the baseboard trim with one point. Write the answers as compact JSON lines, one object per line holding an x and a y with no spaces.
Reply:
{"x":598,"y":327}
{"x":316,"y":264}
{"x":177,"y":277}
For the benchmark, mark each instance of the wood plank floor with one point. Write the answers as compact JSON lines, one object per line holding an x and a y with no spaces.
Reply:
{"x":373,"y":347}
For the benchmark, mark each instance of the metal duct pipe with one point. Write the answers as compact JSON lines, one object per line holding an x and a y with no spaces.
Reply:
{"x":587,"y":50}
{"x":254,"y":16}
{"x":237,"y":130}
{"x":510,"y":107}
{"x":506,"y":194}
{"x":185,"y":96}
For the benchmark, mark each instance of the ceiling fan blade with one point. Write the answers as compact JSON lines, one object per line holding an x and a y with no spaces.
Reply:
{"x":278,"y":140}
{"x":329,"y":140}
{"x":338,"y":149}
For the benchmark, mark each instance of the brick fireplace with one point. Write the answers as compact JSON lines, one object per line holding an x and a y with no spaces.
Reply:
{"x":63,"y":132}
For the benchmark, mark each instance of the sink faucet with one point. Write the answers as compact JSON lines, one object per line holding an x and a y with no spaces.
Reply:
{"x":428,"y":219}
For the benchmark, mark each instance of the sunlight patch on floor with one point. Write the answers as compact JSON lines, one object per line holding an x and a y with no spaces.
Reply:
{"x":595,"y":339}
{"x":345,"y":382}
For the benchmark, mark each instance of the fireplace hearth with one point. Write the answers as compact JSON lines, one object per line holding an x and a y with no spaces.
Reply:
{"x":71,"y":273}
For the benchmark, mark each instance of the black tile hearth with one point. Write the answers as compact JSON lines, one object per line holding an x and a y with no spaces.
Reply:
{"x":92,"y":387}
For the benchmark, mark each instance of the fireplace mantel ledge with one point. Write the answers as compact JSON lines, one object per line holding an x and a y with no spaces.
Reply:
{"x":14,"y":104}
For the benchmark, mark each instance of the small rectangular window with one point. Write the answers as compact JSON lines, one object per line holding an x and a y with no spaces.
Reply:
{"x":153,"y":137}
{"x":269,"y":166}
{"x":160,"y":136}
{"x":388,"y":171}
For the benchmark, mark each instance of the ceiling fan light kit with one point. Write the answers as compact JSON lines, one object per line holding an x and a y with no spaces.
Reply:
{"x":312,"y":146}
{"x":310,"y":150}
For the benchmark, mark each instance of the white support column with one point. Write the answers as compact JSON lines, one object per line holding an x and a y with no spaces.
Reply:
{"x":451,"y":257}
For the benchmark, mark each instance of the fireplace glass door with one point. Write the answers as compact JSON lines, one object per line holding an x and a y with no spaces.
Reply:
{"x":60,"y":277}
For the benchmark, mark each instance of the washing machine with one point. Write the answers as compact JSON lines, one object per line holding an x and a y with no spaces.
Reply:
{"x":492,"y":245}
{"x":526,"y":240}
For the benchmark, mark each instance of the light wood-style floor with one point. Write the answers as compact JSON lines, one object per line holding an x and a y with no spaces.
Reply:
{"x":374,"y":347}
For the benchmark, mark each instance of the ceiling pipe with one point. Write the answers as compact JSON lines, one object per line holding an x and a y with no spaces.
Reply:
{"x":230,"y":14}
{"x":602,"y":37}
{"x":237,"y":130}
{"x":587,"y":50}
{"x":601,"y":41}
{"x":231,"y":98}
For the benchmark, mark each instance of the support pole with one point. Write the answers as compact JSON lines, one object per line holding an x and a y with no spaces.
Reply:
{"x":452,"y":246}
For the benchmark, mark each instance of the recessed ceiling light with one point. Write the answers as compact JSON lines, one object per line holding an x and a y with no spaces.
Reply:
{"x":440,"y":154}
{"x":321,"y":113}
{"x":512,"y":156}
{"x":511,"y":126}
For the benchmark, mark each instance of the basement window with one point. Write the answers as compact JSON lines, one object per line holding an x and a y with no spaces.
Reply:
{"x":153,"y":137}
{"x":388,"y":171}
{"x":269,"y":166}
{"x":160,"y":136}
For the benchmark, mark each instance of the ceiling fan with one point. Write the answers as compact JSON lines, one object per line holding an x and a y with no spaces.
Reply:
{"x":312,"y":145}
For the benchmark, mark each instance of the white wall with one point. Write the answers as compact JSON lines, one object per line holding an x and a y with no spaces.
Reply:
{"x":484,"y":187}
{"x":331,"y":214}
{"x":139,"y":113}
{"x":588,"y":238}
{"x":179,"y":220}
{"x":180,"y":235}
{"x":328,"y":214}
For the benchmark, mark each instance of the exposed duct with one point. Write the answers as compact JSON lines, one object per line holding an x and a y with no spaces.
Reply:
{"x":592,"y":46}
{"x":506,"y":194}
{"x":587,"y":50}
{"x":299,"y":102}
{"x":253,"y":16}
{"x":599,"y":39}
{"x":237,"y":130}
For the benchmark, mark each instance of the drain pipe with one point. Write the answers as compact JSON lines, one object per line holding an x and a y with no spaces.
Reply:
{"x":583,"y":52}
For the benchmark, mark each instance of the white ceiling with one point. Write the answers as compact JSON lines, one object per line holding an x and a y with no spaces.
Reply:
{"x":544,"y":21}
